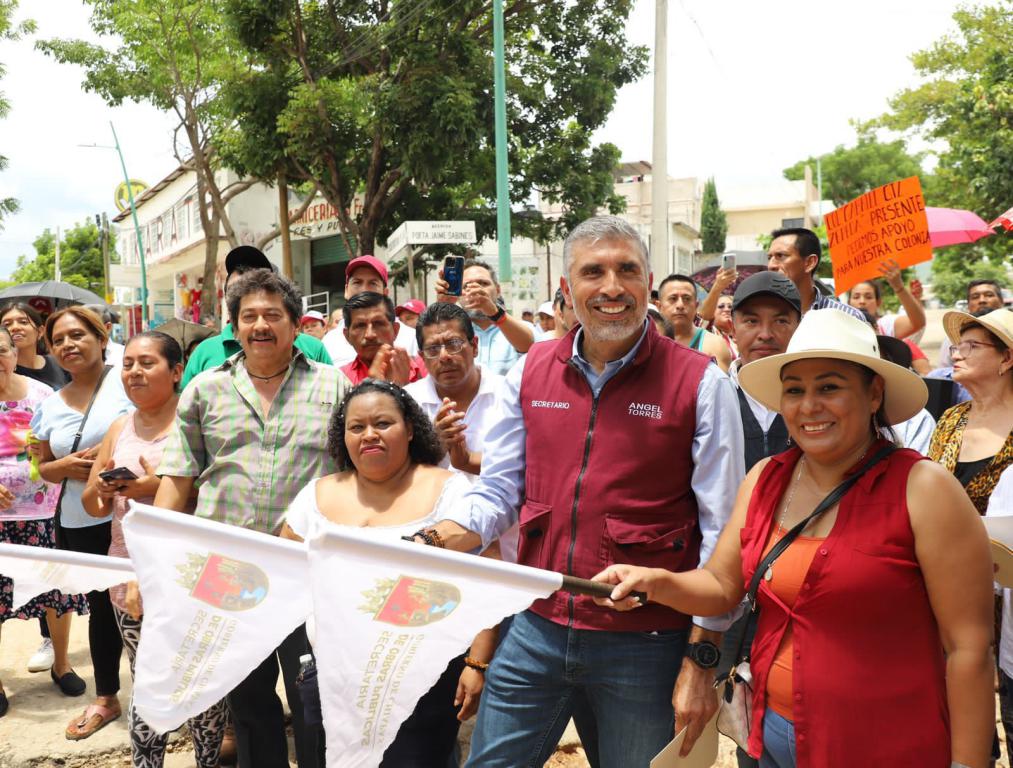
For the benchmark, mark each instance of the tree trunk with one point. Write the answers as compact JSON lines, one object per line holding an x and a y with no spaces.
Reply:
{"x":209,"y":289}
{"x":286,"y":240}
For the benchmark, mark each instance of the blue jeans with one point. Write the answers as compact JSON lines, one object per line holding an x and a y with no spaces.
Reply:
{"x":626,"y":678}
{"x":778,"y":741}
{"x":1006,"y":710}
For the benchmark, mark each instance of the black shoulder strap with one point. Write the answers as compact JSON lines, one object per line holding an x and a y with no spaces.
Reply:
{"x":73,"y":447}
{"x":778,"y":549}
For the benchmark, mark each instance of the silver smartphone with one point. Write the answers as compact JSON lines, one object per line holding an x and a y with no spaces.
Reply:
{"x":727,"y":261}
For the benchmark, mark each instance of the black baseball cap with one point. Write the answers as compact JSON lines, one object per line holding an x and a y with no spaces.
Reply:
{"x":769,"y":283}
{"x":248,"y":257}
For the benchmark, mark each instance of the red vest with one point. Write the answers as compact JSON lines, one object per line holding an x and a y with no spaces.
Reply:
{"x":608,"y":480}
{"x":868,"y":674}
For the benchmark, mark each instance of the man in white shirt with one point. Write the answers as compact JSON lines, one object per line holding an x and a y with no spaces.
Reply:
{"x":766,"y":310}
{"x":458,"y":394}
{"x":364,"y":273}
{"x":502,"y":338}
{"x":114,"y":351}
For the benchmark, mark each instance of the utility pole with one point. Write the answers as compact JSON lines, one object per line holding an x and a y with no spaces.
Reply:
{"x":137,"y":230}
{"x":660,"y":260}
{"x":819,"y":189}
{"x":103,"y":234}
{"x":502,"y":177}
{"x":57,"y":260}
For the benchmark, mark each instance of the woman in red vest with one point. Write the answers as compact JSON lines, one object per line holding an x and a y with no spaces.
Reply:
{"x":873,"y":643}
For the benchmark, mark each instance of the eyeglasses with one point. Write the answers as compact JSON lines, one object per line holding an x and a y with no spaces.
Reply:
{"x":432,"y":351}
{"x":965,"y":348}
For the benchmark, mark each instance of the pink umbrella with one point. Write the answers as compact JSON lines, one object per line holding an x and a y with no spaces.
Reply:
{"x":949,"y":226}
{"x":1005,"y":221}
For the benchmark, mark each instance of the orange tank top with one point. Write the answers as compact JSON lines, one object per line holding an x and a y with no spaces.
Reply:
{"x":788,"y":574}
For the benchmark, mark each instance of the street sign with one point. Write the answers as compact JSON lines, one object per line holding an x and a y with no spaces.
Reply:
{"x":430,"y":233}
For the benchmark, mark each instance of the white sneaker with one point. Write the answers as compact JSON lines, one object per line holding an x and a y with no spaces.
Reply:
{"x":44,"y":658}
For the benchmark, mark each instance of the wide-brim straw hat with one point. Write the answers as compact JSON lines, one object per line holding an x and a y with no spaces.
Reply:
{"x":836,"y":335}
{"x":998,"y":321}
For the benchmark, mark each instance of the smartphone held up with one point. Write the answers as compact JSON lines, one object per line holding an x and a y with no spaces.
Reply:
{"x":453,"y":274}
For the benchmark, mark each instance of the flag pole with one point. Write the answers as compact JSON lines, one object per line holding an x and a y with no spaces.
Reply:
{"x":594,"y":588}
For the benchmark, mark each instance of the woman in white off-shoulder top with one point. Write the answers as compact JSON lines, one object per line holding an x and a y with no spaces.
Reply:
{"x":387,"y":455}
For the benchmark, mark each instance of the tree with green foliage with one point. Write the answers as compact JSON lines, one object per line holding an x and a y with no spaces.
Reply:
{"x":952,"y":270}
{"x":849,"y":172}
{"x":80,"y":258}
{"x":9,"y":30}
{"x":964,"y":105}
{"x":387,"y":106}
{"x":713,"y":222}
{"x":176,"y":56}
{"x":965,"y":102}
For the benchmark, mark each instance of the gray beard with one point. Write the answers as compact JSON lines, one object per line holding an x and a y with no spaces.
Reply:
{"x":612,"y":331}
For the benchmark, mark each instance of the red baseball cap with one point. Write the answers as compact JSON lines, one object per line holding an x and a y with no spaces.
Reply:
{"x":312,"y":316}
{"x":367,"y":261}
{"x":412,"y":305}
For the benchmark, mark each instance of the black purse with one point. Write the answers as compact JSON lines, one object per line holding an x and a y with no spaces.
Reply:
{"x":735,"y":703}
{"x":57,"y":527}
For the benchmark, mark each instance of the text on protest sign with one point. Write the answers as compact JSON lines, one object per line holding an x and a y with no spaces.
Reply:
{"x":888,"y":222}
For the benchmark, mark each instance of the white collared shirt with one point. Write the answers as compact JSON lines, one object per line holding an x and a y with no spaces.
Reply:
{"x":1000,"y":504}
{"x":763,"y":414}
{"x":479,"y":417}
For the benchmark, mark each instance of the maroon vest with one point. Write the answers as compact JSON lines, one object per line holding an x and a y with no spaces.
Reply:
{"x":608,"y":481}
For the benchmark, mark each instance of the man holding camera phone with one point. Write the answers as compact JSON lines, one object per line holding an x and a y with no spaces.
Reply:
{"x":502,"y":339}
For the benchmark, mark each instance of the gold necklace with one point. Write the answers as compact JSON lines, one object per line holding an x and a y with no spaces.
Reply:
{"x":769,"y":573}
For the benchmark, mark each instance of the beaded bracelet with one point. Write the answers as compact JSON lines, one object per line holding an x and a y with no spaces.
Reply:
{"x":430,"y":538}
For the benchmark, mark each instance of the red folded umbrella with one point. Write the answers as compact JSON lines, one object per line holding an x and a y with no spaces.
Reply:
{"x":1005,"y":221}
{"x":949,"y":226}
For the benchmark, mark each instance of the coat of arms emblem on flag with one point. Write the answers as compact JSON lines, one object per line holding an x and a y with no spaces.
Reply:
{"x":410,"y":602}
{"x":222,"y":582}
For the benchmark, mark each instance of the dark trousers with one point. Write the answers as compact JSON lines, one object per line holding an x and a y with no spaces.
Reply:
{"x":104,"y":639}
{"x":427,"y":739}
{"x":258,"y":716}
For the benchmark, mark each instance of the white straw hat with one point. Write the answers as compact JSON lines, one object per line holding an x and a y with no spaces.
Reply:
{"x":830,"y":333}
{"x":998,"y":321}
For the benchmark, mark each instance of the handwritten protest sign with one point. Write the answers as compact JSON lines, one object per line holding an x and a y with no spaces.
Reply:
{"x":887,"y":223}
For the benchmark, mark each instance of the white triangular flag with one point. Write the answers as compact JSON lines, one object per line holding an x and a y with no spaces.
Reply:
{"x":37,"y":570}
{"x":389,"y":617}
{"x":218,"y":600}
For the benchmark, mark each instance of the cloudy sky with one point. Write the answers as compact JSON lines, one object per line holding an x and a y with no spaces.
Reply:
{"x":753,"y":87}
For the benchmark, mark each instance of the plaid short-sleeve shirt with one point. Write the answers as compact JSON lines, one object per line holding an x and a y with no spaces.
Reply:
{"x":248,"y":467}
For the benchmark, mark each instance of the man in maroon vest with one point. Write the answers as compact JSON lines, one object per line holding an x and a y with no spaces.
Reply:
{"x":614,"y":445}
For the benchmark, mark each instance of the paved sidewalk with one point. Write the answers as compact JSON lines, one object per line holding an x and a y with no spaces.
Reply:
{"x":32,"y":732}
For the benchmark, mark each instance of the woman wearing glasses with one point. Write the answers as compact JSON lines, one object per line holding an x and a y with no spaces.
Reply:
{"x":974,"y":440}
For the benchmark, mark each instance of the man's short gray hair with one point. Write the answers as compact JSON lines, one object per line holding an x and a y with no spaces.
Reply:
{"x":604,"y":228}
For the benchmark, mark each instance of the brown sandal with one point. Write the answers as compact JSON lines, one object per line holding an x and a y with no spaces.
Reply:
{"x":95,"y":718}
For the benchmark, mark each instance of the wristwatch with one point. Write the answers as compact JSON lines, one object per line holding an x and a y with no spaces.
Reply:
{"x":704,"y":654}
{"x":498,"y":315}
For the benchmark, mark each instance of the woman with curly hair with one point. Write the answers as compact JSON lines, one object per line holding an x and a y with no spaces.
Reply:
{"x":387,"y":455}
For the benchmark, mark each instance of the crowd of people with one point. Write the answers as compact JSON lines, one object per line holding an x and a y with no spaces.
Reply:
{"x":761,"y":462}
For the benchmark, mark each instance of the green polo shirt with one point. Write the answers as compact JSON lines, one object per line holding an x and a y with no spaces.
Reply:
{"x":215,"y":350}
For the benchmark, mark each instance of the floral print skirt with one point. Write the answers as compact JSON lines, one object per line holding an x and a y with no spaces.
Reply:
{"x":34,"y":533}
